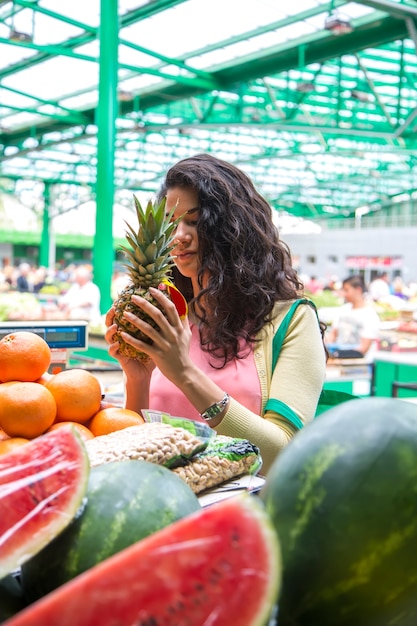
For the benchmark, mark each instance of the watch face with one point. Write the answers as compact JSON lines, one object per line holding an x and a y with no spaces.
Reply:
{"x":215,"y":409}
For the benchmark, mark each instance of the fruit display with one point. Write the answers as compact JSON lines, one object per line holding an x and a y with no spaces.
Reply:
{"x":42,"y":486}
{"x":126,"y":501}
{"x":343,"y":498}
{"x":101,"y":520}
{"x":218,"y":566}
{"x":148,"y":265}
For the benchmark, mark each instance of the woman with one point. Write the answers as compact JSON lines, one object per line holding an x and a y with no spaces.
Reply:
{"x":238,"y":279}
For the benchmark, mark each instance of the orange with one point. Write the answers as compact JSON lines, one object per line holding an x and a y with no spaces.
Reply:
{"x":114,"y":418}
{"x":24,"y":356}
{"x":77,"y":394}
{"x":42,"y":380}
{"x":11,"y":444}
{"x":26,"y":409}
{"x":80,"y":428}
{"x":3,"y":435}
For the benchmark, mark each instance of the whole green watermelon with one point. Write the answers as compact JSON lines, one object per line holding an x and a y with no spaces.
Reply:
{"x":126,"y":501}
{"x":343,"y":499}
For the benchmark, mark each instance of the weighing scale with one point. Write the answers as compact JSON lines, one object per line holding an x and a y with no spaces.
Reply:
{"x":61,"y":336}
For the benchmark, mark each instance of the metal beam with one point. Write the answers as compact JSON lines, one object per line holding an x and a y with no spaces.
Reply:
{"x":278,"y":59}
{"x":103,"y":254}
{"x":136,"y":15}
{"x":406,"y":124}
{"x":393,"y":8}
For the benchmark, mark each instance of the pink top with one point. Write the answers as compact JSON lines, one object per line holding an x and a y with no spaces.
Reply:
{"x":239,"y":378}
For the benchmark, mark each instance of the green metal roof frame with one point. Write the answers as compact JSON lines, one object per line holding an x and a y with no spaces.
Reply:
{"x":325,"y":124}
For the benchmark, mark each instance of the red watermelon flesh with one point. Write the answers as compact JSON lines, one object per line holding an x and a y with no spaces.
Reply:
{"x":42,"y":485}
{"x":219,"y":566}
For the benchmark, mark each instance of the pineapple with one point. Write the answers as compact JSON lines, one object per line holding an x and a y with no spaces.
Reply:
{"x":148,"y":264}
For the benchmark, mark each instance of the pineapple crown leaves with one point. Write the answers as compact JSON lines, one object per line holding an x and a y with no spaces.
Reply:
{"x":150,"y":245}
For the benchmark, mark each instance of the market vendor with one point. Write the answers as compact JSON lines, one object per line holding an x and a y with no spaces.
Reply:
{"x":82,"y":300}
{"x":355,"y":328}
{"x":238,"y":279}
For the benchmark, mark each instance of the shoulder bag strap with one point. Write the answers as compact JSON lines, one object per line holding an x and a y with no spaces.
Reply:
{"x":283,"y":327}
{"x":328,"y":397}
{"x":273,"y":404}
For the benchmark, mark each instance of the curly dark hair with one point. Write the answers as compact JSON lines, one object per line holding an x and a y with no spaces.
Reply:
{"x":248,"y":266}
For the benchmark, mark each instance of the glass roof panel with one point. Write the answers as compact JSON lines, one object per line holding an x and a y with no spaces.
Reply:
{"x":319,"y":119}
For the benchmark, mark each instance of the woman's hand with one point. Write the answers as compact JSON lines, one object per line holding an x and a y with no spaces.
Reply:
{"x":171,"y":343}
{"x":131,"y":367}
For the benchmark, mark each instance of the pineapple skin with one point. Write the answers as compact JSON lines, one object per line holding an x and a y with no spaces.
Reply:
{"x":148,"y":264}
{"x":124,"y":303}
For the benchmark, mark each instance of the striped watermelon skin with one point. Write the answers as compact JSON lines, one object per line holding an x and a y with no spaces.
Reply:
{"x":11,"y":597}
{"x":126,"y":501}
{"x":42,"y":485}
{"x":219,"y":566}
{"x":343,"y":498}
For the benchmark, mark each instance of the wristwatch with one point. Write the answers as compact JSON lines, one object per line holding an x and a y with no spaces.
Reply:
{"x":215,"y":409}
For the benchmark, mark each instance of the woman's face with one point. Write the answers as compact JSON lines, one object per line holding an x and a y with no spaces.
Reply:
{"x":185,"y":252}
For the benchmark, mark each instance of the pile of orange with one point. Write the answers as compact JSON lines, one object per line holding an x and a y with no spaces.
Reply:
{"x":33,"y":401}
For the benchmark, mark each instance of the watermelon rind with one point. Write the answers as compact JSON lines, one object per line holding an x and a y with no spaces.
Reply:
{"x":11,"y":597}
{"x":42,"y":486}
{"x":343,"y":499}
{"x":220,"y":566}
{"x":126,"y":501}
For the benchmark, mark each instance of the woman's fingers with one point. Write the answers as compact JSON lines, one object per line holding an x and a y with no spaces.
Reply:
{"x":168,"y":307}
{"x":109,"y":316}
{"x":110,"y":332}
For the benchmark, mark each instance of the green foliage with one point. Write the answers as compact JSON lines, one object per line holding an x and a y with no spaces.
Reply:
{"x":324,"y":298}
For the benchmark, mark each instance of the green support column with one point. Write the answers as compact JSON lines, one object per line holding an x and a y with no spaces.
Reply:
{"x":103,"y":253}
{"x":45,"y":242}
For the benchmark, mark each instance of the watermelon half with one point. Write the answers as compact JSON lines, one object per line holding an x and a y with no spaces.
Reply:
{"x":218,"y":566}
{"x":42,"y":485}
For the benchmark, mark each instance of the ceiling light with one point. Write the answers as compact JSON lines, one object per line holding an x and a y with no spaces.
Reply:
{"x":337,"y":24}
{"x":16,"y":35}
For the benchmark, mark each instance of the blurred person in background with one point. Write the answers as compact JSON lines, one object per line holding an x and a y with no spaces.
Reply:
{"x":333,"y":284}
{"x":379,"y":288}
{"x":399,"y":289}
{"x":355,"y":328}
{"x":39,"y":278}
{"x":313,"y":285}
{"x":82,"y":300}
{"x":23,"y":279}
